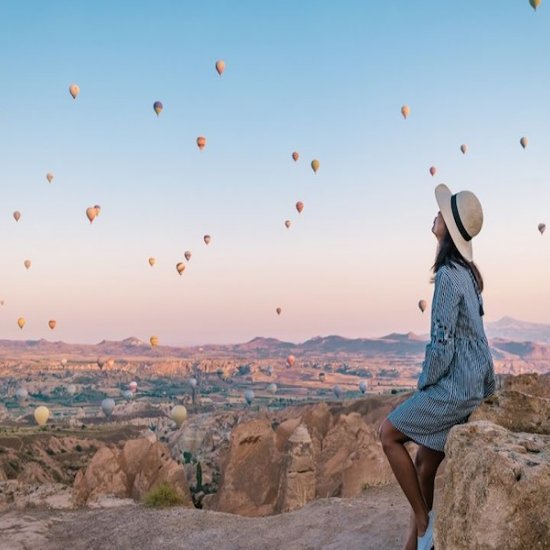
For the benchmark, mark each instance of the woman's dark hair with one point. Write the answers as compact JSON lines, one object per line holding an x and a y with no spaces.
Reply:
{"x":448,"y":254}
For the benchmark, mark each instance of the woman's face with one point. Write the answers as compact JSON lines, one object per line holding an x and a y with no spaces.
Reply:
{"x":439,"y":229}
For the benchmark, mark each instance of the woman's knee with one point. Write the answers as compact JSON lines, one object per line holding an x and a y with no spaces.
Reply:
{"x":388,"y":434}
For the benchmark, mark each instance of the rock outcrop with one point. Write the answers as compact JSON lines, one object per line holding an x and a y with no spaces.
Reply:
{"x":280,"y":462}
{"x":129,"y":472}
{"x":497,"y":489}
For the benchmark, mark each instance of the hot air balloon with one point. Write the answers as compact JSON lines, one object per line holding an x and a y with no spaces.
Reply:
{"x":362,"y":386}
{"x":63,"y":361}
{"x":193,"y":382}
{"x":74,"y":90}
{"x":249,"y":396}
{"x":201,"y":142}
{"x":290,"y":360}
{"x":157,"y":106}
{"x":128,"y":395}
{"x":433,"y":170}
{"x":288,"y":223}
{"x":154,"y":341}
{"x":270,"y":370}
{"x":272,"y":388}
{"x":542,"y":227}
{"x":337,"y":391}
{"x":27,"y":264}
{"x":220,"y":66}
{"x":132,"y":386}
{"x":524,"y":141}
{"x":315,"y":165}
{"x":97,"y":209}
{"x":52,"y":323}
{"x":535,"y":4}
{"x":71,"y":389}
{"x":278,"y":310}
{"x":422,"y":305}
{"x":207,"y":239}
{"x":49,"y":177}
{"x":21,"y":322}
{"x":41,"y":415}
{"x":21,"y":394}
{"x":91,"y":213}
{"x":180,"y":267}
{"x":299,"y":206}
{"x":108,"y":406}
{"x":405,"y":111}
{"x":322,"y":376}
{"x":295,"y":156}
{"x":187,"y":255}
{"x":101,"y":362}
{"x":178,"y":414}
{"x":152,"y":261}
{"x":16,"y":215}
{"x":110,"y":362}
{"x":463,"y":148}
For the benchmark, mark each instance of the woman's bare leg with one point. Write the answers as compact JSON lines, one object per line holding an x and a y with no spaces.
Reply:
{"x":427,"y":462}
{"x":405,"y":472}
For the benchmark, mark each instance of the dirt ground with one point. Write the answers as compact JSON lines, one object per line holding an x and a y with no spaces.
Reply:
{"x":377,"y":519}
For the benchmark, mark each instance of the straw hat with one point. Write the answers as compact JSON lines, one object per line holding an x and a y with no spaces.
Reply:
{"x":463,"y":217}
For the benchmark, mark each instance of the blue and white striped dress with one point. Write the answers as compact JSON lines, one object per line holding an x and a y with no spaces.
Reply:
{"x":457,"y":373}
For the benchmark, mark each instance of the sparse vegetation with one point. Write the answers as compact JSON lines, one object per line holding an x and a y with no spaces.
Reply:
{"x":163,"y":495}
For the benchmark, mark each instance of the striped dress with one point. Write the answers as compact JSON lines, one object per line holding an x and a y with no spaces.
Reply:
{"x":457,"y":372}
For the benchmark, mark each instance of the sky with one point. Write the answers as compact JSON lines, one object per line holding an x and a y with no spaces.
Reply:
{"x":324,"y":78}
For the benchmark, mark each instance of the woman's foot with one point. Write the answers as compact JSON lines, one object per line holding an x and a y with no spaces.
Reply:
{"x":425,"y":540}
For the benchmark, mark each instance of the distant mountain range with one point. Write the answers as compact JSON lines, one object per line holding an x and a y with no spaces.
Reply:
{"x":508,"y":337}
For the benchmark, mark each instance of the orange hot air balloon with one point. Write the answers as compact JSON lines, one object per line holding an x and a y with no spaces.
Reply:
{"x":433,"y":170}
{"x":542,"y":228}
{"x":154,"y":340}
{"x":535,"y":4}
{"x":152,"y":261}
{"x":288,"y":223}
{"x":322,"y":376}
{"x":290,"y":360}
{"x":52,"y":323}
{"x":180,"y":266}
{"x":299,"y":206}
{"x":422,"y":305}
{"x":295,"y":156}
{"x":405,"y":111}
{"x":278,"y":310}
{"x":201,"y":142}
{"x":27,"y":264}
{"x":524,"y":141}
{"x":315,"y":165}
{"x":91,"y":212}
{"x":16,"y":215}
{"x":21,"y":322}
{"x":464,"y":148}
{"x":207,"y":239}
{"x":220,"y":66}
{"x":74,"y":90}
{"x":187,"y":255}
{"x":49,"y":177}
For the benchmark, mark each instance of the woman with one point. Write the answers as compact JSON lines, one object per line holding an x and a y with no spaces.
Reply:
{"x":457,"y":373}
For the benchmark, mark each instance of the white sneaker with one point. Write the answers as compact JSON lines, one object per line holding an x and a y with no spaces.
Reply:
{"x":426,"y":541}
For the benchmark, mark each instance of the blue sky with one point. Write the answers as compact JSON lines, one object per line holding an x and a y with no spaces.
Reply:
{"x":326,"y":79}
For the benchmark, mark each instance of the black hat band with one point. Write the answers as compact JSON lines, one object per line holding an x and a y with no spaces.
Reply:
{"x":458,"y":221}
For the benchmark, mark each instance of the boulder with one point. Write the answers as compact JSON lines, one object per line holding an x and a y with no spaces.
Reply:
{"x":251,"y":472}
{"x":130,"y":472}
{"x":496,"y":489}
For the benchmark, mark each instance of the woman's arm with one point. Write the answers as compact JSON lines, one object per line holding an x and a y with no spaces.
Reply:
{"x":440,"y":350}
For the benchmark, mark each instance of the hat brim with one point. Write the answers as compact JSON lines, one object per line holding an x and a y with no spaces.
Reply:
{"x":443,"y":197}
